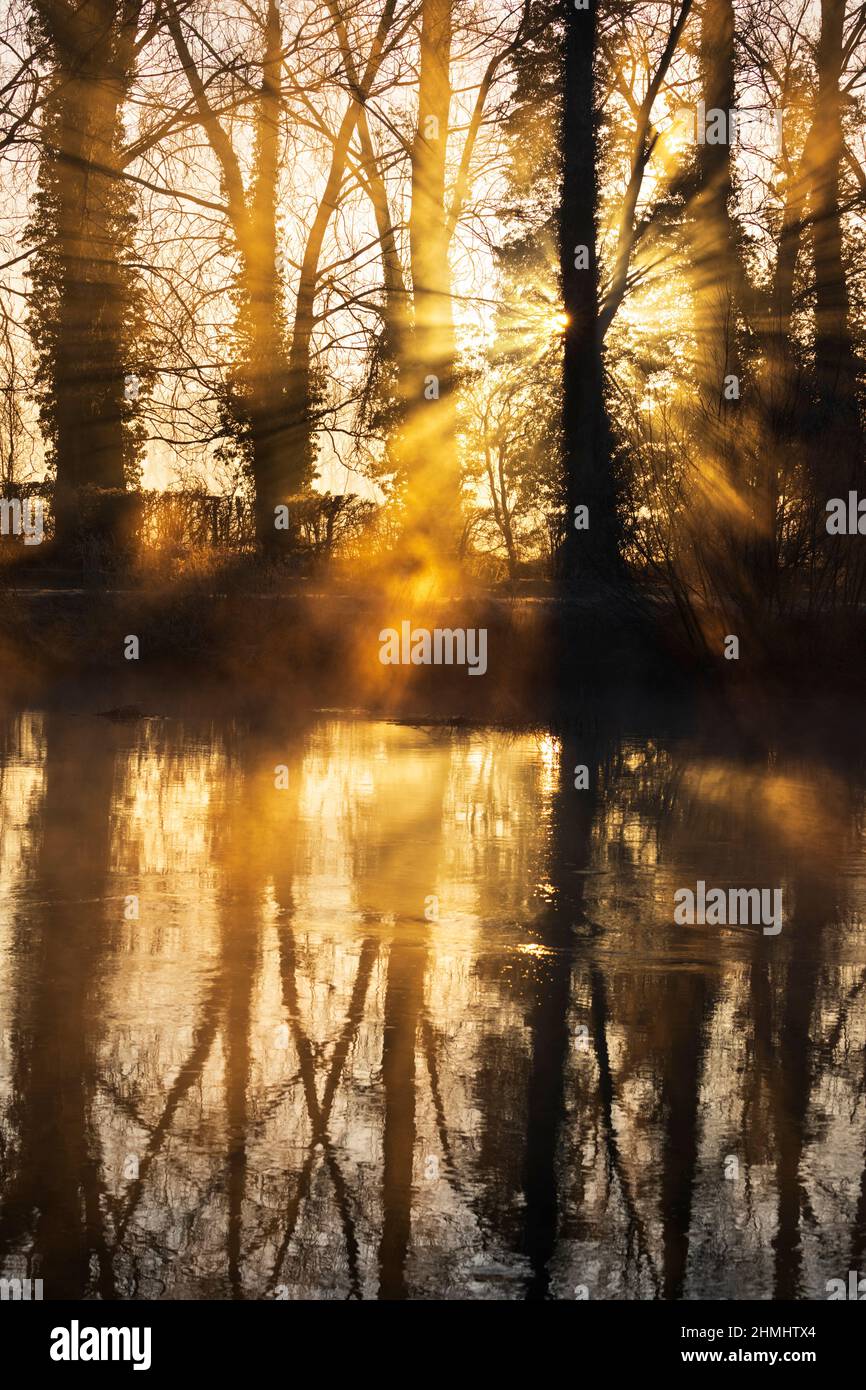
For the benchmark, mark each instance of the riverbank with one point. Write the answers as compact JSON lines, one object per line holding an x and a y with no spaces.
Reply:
{"x":325,"y":646}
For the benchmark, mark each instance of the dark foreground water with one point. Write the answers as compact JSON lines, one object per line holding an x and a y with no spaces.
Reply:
{"x":363,"y":1009}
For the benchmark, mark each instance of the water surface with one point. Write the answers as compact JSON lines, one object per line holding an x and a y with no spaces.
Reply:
{"x":368,"y":1009}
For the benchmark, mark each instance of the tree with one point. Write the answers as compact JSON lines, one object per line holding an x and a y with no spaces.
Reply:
{"x":299,"y":442}
{"x":587,"y":457}
{"x":590,"y":475}
{"x":412,"y":392}
{"x":838,"y":457}
{"x":257,"y":390}
{"x":434,"y":489}
{"x":85,"y":307}
{"x":272,"y":390}
{"x":510,"y":440}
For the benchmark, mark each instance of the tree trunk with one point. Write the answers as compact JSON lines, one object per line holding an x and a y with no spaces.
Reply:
{"x":259,"y":400}
{"x":80,"y":322}
{"x":590,"y":554}
{"x":265,"y":370}
{"x":429,"y":444}
{"x":296,"y":443}
{"x":778,"y":437}
{"x":715,"y":261}
{"x":836,"y":466}
{"x":835,"y":435}
{"x":726,"y":526}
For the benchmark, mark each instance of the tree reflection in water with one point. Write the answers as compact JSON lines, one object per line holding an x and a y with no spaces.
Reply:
{"x":291,"y":1077}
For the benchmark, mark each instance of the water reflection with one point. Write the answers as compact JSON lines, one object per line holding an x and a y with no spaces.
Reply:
{"x":368,"y":1010}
